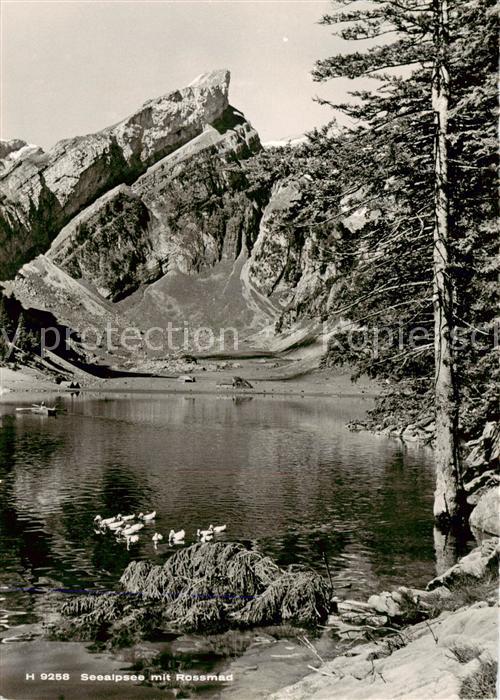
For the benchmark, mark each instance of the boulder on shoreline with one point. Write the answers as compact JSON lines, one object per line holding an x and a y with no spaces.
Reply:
{"x":240,"y":383}
{"x":485,"y":516}
{"x":477,"y":565}
{"x":481,"y":476}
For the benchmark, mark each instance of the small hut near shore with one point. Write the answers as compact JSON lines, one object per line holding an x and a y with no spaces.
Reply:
{"x":67,"y":384}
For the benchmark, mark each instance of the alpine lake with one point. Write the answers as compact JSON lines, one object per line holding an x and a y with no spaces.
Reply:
{"x":284,"y":473}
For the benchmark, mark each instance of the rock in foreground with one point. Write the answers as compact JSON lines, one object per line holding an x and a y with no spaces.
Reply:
{"x":436,"y":660}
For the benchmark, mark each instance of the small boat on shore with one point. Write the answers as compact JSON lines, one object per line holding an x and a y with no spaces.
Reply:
{"x":39,"y":409}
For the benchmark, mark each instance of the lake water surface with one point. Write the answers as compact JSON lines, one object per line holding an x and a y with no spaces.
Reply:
{"x":285,"y":475}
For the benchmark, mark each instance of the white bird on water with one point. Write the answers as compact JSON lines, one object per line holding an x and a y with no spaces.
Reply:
{"x":176,"y":537}
{"x":205,"y":535}
{"x":147,"y":517}
{"x":104,"y":522}
{"x":217,"y":529}
{"x":157,"y":537}
{"x":131,"y":539}
{"x":132,"y":529}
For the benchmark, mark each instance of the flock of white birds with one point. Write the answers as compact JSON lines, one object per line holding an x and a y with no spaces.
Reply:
{"x":126,"y":529}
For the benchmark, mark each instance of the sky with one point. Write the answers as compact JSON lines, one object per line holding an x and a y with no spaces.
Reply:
{"x":75,"y":67}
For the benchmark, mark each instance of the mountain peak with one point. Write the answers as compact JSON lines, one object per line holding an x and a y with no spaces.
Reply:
{"x":76,"y":171}
{"x":215,"y":78}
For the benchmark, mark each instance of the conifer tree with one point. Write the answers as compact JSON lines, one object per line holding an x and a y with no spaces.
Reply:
{"x":25,"y":339}
{"x":6,"y":328}
{"x":425,"y":173}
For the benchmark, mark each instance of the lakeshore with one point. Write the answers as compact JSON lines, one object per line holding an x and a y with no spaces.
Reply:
{"x":316,"y":382}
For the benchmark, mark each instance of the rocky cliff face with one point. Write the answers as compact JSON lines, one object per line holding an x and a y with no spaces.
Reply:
{"x":187,"y":212}
{"x":161,"y":202}
{"x":288,"y":263}
{"x":42,"y":191}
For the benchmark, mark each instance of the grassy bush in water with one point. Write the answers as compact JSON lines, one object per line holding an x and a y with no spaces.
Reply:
{"x":204,"y":588}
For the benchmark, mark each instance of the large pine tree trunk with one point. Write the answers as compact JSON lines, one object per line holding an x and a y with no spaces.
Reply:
{"x":448,"y":497}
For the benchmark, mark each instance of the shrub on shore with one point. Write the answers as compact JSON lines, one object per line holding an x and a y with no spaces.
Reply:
{"x":482,"y":683}
{"x":203,"y":588}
